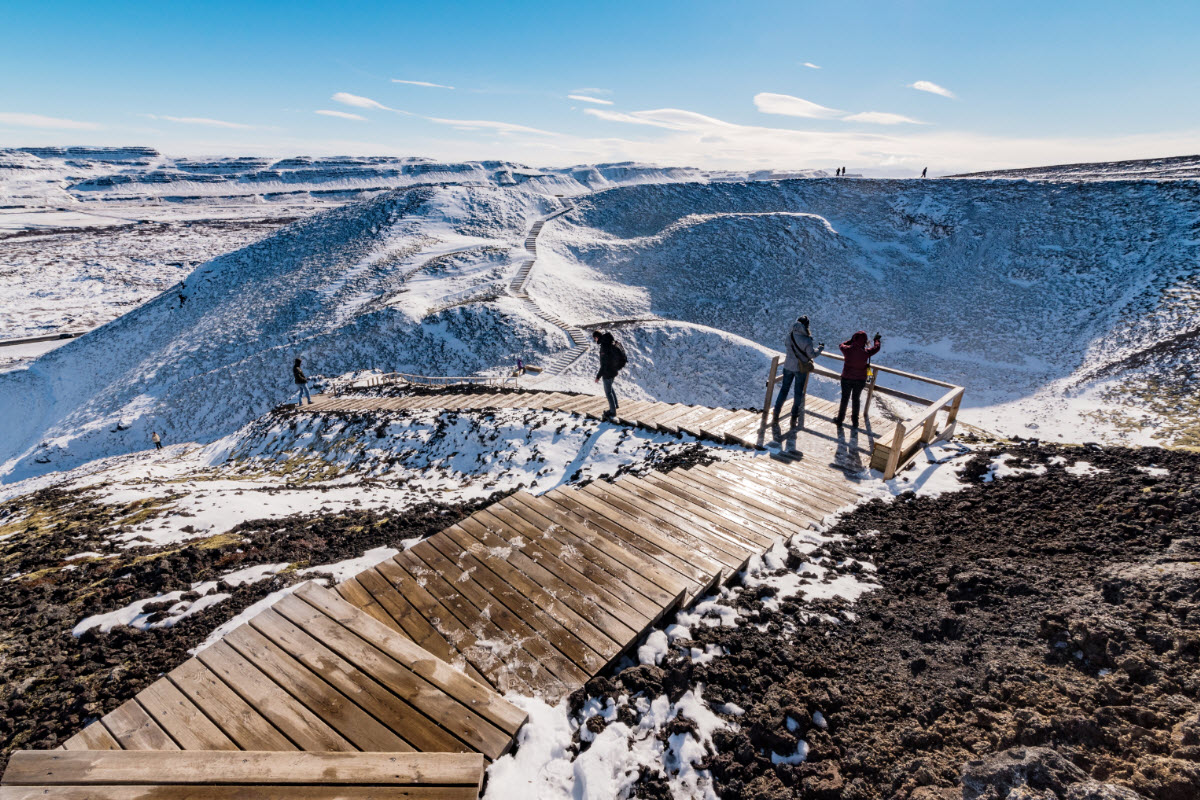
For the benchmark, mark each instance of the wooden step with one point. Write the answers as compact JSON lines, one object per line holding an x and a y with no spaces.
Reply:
{"x":248,"y":775}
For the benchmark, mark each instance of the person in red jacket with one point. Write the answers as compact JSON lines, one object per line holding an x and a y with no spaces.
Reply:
{"x":854,"y":372}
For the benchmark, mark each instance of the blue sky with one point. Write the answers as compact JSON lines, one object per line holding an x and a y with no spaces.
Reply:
{"x":890,"y":87}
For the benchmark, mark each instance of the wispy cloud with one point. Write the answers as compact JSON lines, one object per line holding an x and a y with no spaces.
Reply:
{"x":591,"y":90}
{"x":584,"y":98}
{"x":345,"y":98}
{"x":881,"y":118}
{"x":673,"y":119}
{"x":341,"y":114}
{"x":810,"y":65}
{"x":205,"y":121}
{"x":485,"y":124}
{"x":932,"y":88}
{"x":39,"y":121}
{"x":423,"y":83}
{"x":789,"y":106}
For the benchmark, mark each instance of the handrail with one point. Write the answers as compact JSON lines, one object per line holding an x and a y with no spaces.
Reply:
{"x":926,"y":419}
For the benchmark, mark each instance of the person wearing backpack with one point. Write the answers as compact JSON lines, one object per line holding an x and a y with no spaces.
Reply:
{"x":854,"y":372}
{"x":301,"y":384}
{"x":612,"y":361}
{"x":800,"y":360}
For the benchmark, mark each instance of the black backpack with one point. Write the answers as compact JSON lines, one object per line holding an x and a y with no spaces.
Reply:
{"x":621,"y":359}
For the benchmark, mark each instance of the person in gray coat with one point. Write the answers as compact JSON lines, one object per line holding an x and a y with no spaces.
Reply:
{"x":801,"y":358}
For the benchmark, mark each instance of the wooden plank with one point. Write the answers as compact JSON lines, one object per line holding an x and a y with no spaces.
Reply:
{"x":238,"y":792}
{"x":57,"y":768}
{"x":414,"y":624}
{"x":356,"y":594}
{"x":300,"y":725}
{"x":575,"y":595}
{"x":769,"y":514}
{"x":572,"y":403}
{"x":181,"y":719}
{"x":550,"y":554}
{"x":92,"y":737}
{"x":478,"y":696}
{"x":679,"y":411}
{"x":751,"y":537}
{"x":716,"y":548}
{"x":762,"y":488}
{"x":134,"y":729}
{"x":696,"y":424}
{"x":315,"y":693}
{"x":711,"y":427}
{"x":640,"y":590}
{"x":681,"y":422}
{"x":719,"y":503}
{"x":547,"y":649}
{"x":828,"y":480}
{"x":502,"y":652}
{"x":479,"y":658}
{"x":796,"y":480}
{"x":767,"y":488}
{"x":732,"y":551}
{"x":558,"y":604}
{"x":629,"y":540}
{"x":821,"y":501}
{"x":629,"y":412}
{"x":377,"y":683}
{"x":228,"y":711}
{"x":662,"y":411}
{"x":547,"y":625}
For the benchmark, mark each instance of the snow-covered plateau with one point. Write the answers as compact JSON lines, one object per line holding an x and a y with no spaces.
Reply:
{"x":1067,"y":308}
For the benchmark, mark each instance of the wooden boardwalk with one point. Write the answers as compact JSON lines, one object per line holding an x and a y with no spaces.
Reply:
{"x":533,"y":595}
{"x":820,"y":442}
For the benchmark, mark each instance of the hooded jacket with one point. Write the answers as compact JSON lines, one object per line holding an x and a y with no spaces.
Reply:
{"x":857,"y":354}
{"x":800,"y":351}
{"x":298,"y":375}
{"x":612,"y":358}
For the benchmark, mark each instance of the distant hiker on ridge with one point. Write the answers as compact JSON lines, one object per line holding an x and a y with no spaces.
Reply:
{"x":612,"y":361}
{"x":154,"y":437}
{"x":801,"y":357}
{"x":854,"y":372}
{"x":924,"y":171}
{"x":302,"y":382}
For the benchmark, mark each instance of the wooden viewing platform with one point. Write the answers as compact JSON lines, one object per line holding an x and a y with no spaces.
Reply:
{"x":533,"y":595}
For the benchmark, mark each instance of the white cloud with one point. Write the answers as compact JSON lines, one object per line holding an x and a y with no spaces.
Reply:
{"x":423,"y":83}
{"x":932,"y":88}
{"x":205,"y":121}
{"x":584,"y":98}
{"x":39,"y":121}
{"x":484,"y":124}
{"x":591,"y":90}
{"x":670,"y":118}
{"x":341,"y":115}
{"x":787,"y":105}
{"x":345,"y":98}
{"x":810,"y":65}
{"x":881,"y":118}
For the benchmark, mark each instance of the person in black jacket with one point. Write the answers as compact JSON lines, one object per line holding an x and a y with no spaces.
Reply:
{"x":302,"y":383}
{"x":612,"y":360}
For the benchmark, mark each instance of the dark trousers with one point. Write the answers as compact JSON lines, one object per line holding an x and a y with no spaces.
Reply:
{"x":801,"y":382}
{"x":158,"y":445}
{"x":610,"y":395}
{"x":851,"y":390}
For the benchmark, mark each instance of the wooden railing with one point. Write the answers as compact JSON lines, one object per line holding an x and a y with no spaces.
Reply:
{"x":888,"y":457}
{"x":438,"y":380}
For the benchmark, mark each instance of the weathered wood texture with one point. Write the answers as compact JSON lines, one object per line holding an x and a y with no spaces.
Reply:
{"x":223,"y":775}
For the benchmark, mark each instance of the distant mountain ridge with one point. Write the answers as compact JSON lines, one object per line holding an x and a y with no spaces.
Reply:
{"x":1172,"y":168}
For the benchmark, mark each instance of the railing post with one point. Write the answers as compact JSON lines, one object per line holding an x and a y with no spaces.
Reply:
{"x":930,"y":429}
{"x":770,"y":388}
{"x":893,"y":461}
{"x":870,"y":392}
{"x":952,"y":417}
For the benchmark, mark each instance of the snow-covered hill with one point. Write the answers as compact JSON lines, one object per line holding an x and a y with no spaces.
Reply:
{"x":1037,"y":297}
{"x":1173,"y":168}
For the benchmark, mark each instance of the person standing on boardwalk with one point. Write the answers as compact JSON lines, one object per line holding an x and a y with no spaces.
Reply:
{"x":154,"y":437}
{"x":301,"y":382}
{"x":612,"y":361}
{"x":801,"y":357}
{"x":854,"y":372}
